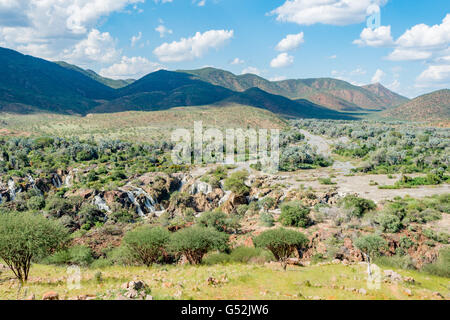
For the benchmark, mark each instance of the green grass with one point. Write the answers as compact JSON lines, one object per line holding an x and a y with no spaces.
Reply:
{"x":236,"y":281}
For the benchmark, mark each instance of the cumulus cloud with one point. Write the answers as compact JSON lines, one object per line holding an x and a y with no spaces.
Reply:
{"x":136,"y":39}
{"x":47,"y":28}
{"x":422,"y":35}
{"x":282,"y":60}
{"x":97,"y":47}
{"x":434,"y":75}
{"x":333,"y":12}
{"x":379,"y":74}
{"x":135,"y":67}
{"x":408,"y":55}
{"x":251,"y":70}
{"x":290,"y":42}
{"x":237,"y":61}
{"x":163,"y":31}
{"x":193,"y":47}
{"x":379,"y":37}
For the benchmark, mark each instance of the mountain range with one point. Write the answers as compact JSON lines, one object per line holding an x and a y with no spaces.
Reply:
{"x":29,"y":84}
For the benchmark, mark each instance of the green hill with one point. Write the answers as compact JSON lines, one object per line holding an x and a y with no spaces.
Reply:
{"x":434,"y":106}
{"x":29,"y":84}
{"x":328,"y":92}
{"x":115,"y":84}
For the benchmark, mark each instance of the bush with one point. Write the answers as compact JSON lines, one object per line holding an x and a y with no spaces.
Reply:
{"x":293,"y":214}
{"x":36,"y":203}
{"x":266,"y":219}
{"x":371,"y":245}
{"x":396,"y":262}
{"x":147,"y":245}
{"x":236,"y":183}
{"x":219,"y":221}
{"x":389,"y":223}
{"x":78,"y":255}
{"x":441,"y":267}
{"x":281,"y":242}
{"x":357,"y":206}
{"x":25,"y":236}
{"x":195,"y":242}
{"x":240,"y":255}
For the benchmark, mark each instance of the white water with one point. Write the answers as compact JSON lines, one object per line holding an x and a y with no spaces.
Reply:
{"x":201,"y":187}
{"x":101,"y":204}
{"x":12,"y":189}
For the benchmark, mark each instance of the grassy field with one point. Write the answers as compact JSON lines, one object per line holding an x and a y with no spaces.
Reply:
{"x":235,"y":281}
{"x":137,"y":126}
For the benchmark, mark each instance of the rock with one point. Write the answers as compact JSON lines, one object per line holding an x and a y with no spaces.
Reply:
{"x":31,"y":297}
{"x":408,"y":292}
{"x":51,"y":295}
{"x":134,"y":285}
{"x":336,"y":261}
{"x":362,"y":291}
{"x":148,"y":297}
{"x":438,"y":295}
{"x":393,"y":276}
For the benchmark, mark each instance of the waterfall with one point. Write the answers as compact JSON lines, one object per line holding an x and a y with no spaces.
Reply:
{"x":68,"y":180}
{"x":56,"y":181}
{"x":12,"y":189}
{"x":1,"y":198}
{"x":33,"y":184}
{"x":225,"y":197}
{"x":101,"y":204}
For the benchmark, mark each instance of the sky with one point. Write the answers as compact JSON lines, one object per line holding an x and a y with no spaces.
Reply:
{"x":403,"y":44}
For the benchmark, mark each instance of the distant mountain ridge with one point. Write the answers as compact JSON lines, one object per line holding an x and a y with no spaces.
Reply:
{"x":331,"y":93}
{"x":115,"y":84}
{"x":29,"y":84}
{"x":433,"y":106}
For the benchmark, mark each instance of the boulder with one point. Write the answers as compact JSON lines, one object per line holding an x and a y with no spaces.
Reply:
{"x":51,"y":295}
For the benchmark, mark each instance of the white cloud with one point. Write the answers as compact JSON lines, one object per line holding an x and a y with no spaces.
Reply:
{"x":252,"y":70}
{"x":194,"y":47}
{"x":127,"y":68}
{"x":136,"y":39}
{"x":334,"y":12}
{"x":333,"y":57}
{"x":97,"y":47}
{"x":282,"y":60}
{"x":290,"y":42}
{"x":408,"y":55}
{"x":47,"y":28}
{"x":163,"y":31}
{"x":278,"y":78}
{"x":237,"y":61}
{"x":434,"y":75}
{"x":379,"y":74}
{"x":422,"y":35}
{"x":379,"y":37}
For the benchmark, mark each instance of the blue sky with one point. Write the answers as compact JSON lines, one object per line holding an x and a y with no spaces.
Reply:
{"x":409,"y":52}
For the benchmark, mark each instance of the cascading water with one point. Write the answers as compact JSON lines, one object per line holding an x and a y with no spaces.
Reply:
{"x":56,"y":181}
{"x":101,"y":204}
{"x":12,"y":189}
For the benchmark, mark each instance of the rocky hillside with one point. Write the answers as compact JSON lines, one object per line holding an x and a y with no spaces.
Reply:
{"x":328,"y":92}
{"x":434,"y":106}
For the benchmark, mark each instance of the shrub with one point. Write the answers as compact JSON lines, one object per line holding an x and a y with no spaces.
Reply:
{"x":78,"y":255}
{"x":89,"y":216}
{"x":195,"y":242}
{"x":357,"y":206}
{"x":236,"y":183}
{"x":293,"y":214}
{"x":147,"y":245}
{"x":441,"y":267}
{"x":249,"y":254}
{"x":371,"y":245}
{"x":397,"y":262}
{"x":218,"y":220}
{"x":281,"y":242}
{"x":24,"y":236}
{"x":389,"y":223}
{"x":266,"y":219}
{"x":36,"y":203}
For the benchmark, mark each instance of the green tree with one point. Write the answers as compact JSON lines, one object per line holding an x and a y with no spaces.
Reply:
{"x":370,"y":245}
{"x":281,"y":242}
{"x":24,"y":236}
{"x":293,"y":214}
{"x":195,"y":242}
{"x":236,"y":183}
{"x":147,"y":245}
